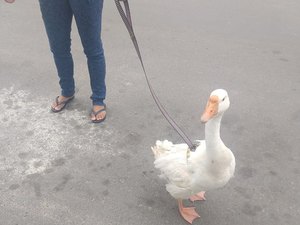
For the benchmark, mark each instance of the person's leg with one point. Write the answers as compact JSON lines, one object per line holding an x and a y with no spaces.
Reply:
{"x":88,"y":16}
{"x":57,"y":17}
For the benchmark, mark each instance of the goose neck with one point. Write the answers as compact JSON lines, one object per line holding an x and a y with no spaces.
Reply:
{"x":212,"y":132}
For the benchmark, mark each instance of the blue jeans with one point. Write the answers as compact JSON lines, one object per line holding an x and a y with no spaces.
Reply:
{"x":57,"y":16}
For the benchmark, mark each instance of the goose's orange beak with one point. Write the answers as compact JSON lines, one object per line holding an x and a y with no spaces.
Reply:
{"x":211,"y":109}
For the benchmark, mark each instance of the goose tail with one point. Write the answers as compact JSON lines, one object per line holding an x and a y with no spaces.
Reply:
{"x":161,"y":148}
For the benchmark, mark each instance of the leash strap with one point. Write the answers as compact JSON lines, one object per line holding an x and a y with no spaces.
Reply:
{"x":126,"y":17}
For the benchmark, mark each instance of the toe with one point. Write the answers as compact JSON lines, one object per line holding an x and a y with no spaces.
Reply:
{"x":100,"y":115}
{"x":93,"y":116}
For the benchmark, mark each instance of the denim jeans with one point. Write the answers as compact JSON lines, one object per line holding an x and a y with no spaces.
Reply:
{"x":57,"y":17}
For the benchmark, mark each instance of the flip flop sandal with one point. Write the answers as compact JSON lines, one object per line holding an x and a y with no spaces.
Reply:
{"x":96,"y":113}
{"x":64,"y":103}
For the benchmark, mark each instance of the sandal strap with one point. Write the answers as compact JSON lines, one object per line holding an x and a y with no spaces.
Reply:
{"x":99,"y":111}
{"x":63,"y":102}
{"x":56,"y":101}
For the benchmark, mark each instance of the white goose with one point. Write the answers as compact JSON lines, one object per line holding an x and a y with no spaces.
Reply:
{"x":189,"y":174}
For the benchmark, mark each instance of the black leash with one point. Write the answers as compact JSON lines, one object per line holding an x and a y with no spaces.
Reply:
{"x":126,"y":17}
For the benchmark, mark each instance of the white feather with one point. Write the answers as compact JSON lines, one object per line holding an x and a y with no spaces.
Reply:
{"x":209,"y":167}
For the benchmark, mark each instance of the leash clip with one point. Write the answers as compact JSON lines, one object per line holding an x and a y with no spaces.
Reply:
{"x":195,"y":145}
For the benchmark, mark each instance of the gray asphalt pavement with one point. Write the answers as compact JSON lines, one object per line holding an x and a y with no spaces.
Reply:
{"x":59,"y":169}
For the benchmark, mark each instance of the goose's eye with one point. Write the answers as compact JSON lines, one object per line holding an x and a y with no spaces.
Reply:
{"x":223,"y":99}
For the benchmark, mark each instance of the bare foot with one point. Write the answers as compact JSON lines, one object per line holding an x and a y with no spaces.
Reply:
{"x":98,"y":113}
{"x":60,"y":102}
